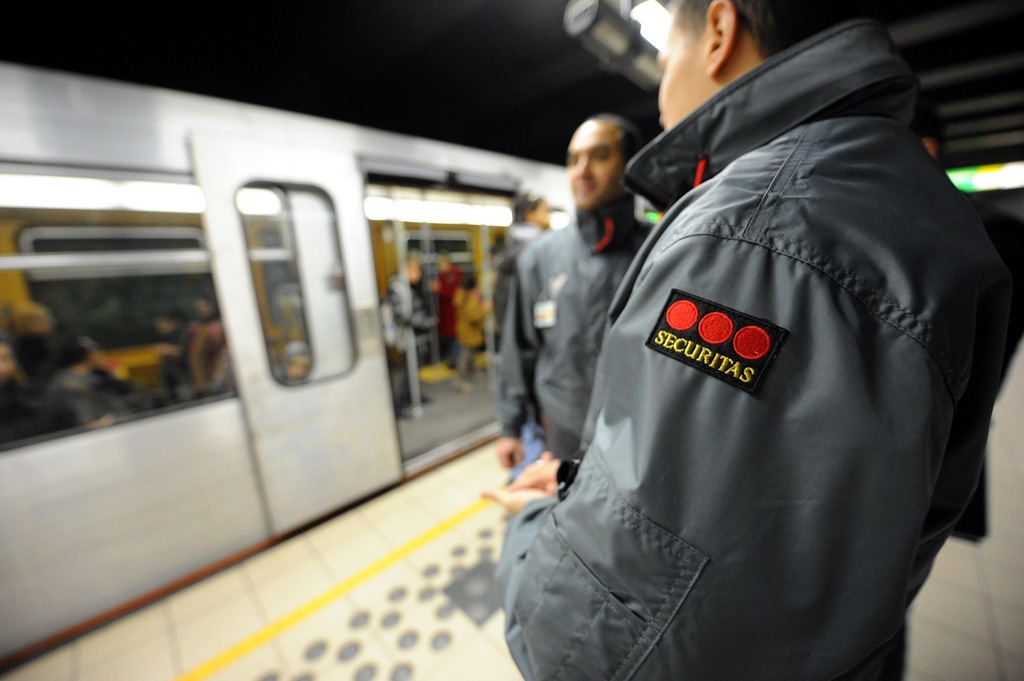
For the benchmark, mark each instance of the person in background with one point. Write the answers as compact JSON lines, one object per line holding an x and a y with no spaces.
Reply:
{"x":564,"y":284}
{"x":928,"y":126}
{"x":83,"y":392}
{"x":449,"y":280}
{"x":471,"y":312}
{"x":1004,"y":230}
{"x":207,"y":350}
{"x":297,"y":362}
{"x":33,"y":329}
{"x":19,"y":415}
{"x":172,"y":338}
{"x":412,"y":325}
{"x":532,"y":215}
{"x":1007,"y":235}
{"x":796,"y":385}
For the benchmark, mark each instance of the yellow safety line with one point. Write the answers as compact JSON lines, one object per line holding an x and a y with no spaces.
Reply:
{"x":272,"y":630}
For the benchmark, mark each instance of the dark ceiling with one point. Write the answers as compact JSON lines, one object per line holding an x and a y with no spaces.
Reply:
{"x":494,"y":74}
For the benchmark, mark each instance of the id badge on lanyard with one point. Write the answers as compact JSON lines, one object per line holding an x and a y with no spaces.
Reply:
{"x":545,"y":314}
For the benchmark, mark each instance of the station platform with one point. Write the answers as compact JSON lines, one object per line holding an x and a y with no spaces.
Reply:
{"x":401,"y":589}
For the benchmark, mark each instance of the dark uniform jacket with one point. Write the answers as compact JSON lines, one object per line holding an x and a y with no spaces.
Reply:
{"x":556,"y":316}
{"x":793,"y":396}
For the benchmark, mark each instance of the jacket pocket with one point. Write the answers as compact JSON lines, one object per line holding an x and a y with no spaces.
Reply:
{"x":593,"y":606}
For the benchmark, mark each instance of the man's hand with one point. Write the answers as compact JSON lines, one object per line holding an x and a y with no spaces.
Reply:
{"x":541,"y":475}
{"x":510,"y":451}
{"x":514,"y":500}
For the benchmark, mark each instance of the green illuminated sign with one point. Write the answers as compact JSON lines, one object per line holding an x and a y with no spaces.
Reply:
{"x":987,"y":178}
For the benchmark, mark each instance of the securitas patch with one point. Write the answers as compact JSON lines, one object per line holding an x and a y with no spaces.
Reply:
{"x":718,"y":340}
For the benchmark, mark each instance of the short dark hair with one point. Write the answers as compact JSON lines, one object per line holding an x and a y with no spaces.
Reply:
{"x":926,"y":122}
{"x":524,"y":204}
{"x":75,"y":350}
{"x":632,"y":139}
{"x":777,"y":24}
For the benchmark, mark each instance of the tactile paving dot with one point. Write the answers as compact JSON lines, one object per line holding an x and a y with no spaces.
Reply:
{"x":459,"y":551}
{"x":390,"y":620}
{"x":485,"y":533}
{"x":408,"y":640}
{"x":269,"y":676}
{"x":348,"y":651}
{"x":441,"y":640}
{"x":431,"y":571}
{"x":427,"y":593}
{"x":397,"y":594}
{"x":304,"y":677}
{"x":316,"y":650}
{"x":446,"y":611}
{"x":360,"y":620}
{"x":402,"y":672}
{"x":365,"y":673}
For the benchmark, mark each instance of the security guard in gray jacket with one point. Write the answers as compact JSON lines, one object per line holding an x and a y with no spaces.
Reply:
{"x":564,"y":283}
{"x":795,"y":389}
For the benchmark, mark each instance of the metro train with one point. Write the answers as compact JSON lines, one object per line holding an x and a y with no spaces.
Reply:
{"x":120,"y":204}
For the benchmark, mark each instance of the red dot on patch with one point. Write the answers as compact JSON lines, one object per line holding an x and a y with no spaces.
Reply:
{"x":681,"y":315}
{"x":752,"y":342}
{"x":715,"y":327}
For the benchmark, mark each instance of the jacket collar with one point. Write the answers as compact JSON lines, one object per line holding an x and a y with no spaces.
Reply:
{"x":608,"y":227}
{"x":851,"y":68}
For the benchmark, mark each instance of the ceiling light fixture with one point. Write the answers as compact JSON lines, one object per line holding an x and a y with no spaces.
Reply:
{"x":615,"y":38}
{"x":654,"y":21}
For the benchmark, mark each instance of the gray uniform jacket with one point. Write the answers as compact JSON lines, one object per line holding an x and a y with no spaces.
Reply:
{"x":556,"y":316}
{"x":772,"y":521}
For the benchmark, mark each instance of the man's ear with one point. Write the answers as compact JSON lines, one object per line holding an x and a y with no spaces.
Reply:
{"x":722,"y":33}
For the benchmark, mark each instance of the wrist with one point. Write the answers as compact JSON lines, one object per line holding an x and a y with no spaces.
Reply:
{"x":511,"y":431}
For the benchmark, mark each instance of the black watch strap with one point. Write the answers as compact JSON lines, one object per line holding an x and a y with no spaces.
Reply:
{"x":565,"y":474}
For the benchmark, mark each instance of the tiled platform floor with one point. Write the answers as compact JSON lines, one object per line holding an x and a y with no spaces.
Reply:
{"x":401,"y":623}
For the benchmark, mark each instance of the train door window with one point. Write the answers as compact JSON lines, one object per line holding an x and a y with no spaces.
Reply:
{"x":107,"y":304}
{"x":291,"y":233}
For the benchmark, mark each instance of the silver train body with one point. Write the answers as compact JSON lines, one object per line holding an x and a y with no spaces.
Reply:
{"x":96,"y":518}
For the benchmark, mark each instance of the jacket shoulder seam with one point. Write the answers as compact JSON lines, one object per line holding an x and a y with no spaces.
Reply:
{"x":817,"y":131}
{"x":769,"y":192}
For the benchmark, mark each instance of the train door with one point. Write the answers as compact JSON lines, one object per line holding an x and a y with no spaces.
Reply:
{"x":289,"y":243}
{"x":444,"y":380}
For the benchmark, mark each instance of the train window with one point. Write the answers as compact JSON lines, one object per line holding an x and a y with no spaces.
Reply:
{"x":107,"y":310}
{"x":295,"y":255}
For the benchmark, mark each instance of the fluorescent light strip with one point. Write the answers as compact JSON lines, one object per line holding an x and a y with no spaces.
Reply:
{"x":436,"y":212}
{"x":654,"y":22}
{"x":81,"y":193}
